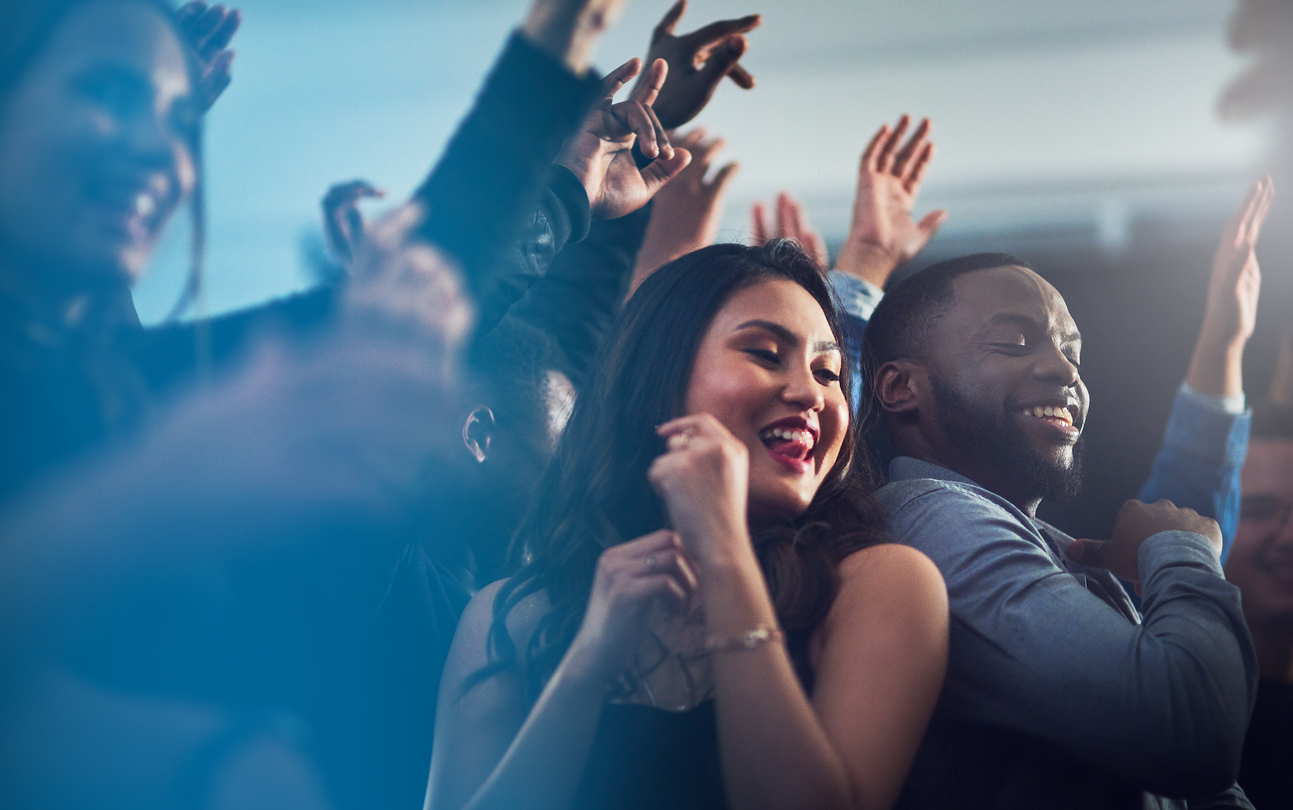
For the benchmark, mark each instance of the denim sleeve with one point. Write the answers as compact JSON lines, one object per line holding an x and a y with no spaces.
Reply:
{"x":1162,"y":705}
{"x":1199,"y":461}
{"x":857,"y":300}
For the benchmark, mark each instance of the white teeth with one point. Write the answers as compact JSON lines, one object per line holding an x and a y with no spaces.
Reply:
{"x":801,"y":436}
{"x":1053,"y":412}
{"x":144,"y":205}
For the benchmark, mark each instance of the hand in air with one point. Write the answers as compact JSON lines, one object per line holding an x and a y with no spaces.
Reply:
{"x":688,"y":209}
{"x":404,"y":287}
{"x":209,"y":30}
{"x":882,"y":234}
{"x":1136,"y":523}
{"x":697,"y":63}
{"x":634,"y":582}
{"x":343,"y":224}
{"x":703,"y":478}
{"x":791,"y":223}
{"x":600,"y":153}
{"x":1236,"y":278}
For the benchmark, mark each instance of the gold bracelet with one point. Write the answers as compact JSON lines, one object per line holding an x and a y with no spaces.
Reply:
{"x":749,"y":640}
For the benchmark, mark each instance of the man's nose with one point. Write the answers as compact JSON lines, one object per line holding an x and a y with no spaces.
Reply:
{"x":1055,"y":365}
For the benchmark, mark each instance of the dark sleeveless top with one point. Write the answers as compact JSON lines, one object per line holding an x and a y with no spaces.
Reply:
{"x":653,"y":760}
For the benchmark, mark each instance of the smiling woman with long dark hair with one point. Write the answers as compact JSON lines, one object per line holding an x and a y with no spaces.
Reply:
{"x":706,"y":614}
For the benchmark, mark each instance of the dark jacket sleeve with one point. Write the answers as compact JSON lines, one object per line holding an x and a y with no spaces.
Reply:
{"x":491,"y":176}
{"x":168,"y":355}
{"x":577,"y":300}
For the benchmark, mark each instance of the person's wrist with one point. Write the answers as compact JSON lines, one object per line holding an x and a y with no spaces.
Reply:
{"x":584,"y":171}
{"x":868,"y":261}
{"x":583,"y":670}
{"x":567,"y":31}
{"x":723,"y":546}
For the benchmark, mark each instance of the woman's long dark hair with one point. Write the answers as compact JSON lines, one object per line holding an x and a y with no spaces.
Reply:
{"x":595,"y":493}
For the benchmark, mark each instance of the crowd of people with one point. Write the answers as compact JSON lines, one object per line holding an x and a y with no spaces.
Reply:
{"x":550,"y":501}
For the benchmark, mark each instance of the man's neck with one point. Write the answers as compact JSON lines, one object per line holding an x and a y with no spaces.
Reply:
{"x":983,"y":475}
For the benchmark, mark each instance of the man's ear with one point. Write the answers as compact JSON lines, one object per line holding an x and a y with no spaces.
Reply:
{"x":477,"y":431}
{"x":898,"y":385}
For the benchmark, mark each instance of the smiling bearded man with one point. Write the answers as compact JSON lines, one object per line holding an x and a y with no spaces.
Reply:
{"x":1058,"y":693}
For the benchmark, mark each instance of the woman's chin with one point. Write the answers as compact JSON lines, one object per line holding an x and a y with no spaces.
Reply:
{"x":776,"y":504}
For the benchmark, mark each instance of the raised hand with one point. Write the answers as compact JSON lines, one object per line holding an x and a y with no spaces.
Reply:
{"x":406,"y":287}
{"x":688,"y":209}
{"x":343,"y":225}
{"x":697,"y":63}
{"x":569,"y":30}
{"x":1136,"y":523}
{"x":882,"y":234}
{"x":600,"y":154}
{"x":791,"y":223}
{"x":209,"y":30}
{"x":634,"y":582}
{"x":1216,"y":367}
{"x":703,"y":478}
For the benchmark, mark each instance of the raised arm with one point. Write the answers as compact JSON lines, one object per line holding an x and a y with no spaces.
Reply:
{"x":492,"y":173}
{"x":1206,"y":439}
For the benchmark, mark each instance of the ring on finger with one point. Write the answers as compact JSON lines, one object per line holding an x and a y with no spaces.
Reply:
{"x":650,"y":561}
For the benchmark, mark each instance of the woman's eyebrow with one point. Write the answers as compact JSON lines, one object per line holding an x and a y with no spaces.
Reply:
{"x":786,"y":335}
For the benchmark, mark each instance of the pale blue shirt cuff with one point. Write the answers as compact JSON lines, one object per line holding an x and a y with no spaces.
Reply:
{"x":858,"y":298}
{"x":1234,"y":405}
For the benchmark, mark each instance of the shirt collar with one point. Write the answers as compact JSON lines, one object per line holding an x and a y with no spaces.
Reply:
{"x":906,"y":468}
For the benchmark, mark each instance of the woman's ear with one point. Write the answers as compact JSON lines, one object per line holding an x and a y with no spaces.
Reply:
{"x":477,"y":431}
{"x":898,"y":385}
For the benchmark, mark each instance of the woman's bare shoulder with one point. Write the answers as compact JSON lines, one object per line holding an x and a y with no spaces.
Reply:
{"x":891,"y":576}
{"x":522,"y":618}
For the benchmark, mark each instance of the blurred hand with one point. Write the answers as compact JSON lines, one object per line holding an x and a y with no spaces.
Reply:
{"x":791,"y":223}
{"x":209,"y":30}
{"x":687,"y":210}
{"x":1263,"y":31}
{"x":1233,"y":290}
{"x":569,"y":30}
{"x":703,"y":479}
{"x":407,"y":288}
{"x":882,"y":234}
{"x":600,"y":155}
{"x":1136,"y":523}
{"x":697,"y":63}
{"x":343,"y":225}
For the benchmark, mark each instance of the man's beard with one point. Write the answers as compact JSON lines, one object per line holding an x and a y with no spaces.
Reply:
{"x":998,"y":439}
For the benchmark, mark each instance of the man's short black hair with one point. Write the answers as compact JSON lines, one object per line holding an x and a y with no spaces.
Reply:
{"x":508,"y":371}
{"x":1273,"y":421}
{"x":902,"y":323}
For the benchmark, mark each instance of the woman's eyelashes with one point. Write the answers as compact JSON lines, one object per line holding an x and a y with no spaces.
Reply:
{"x":827,"y":374}
{"x":772,"y":359}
